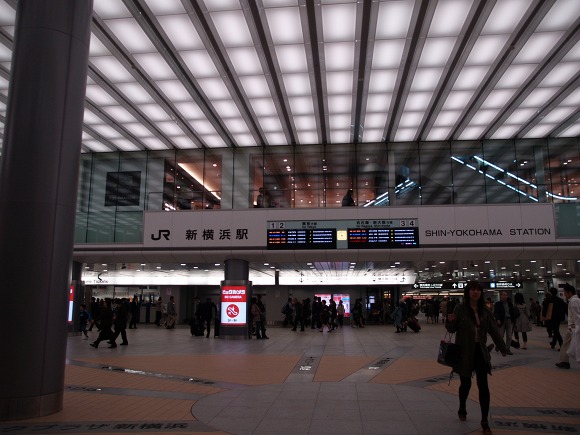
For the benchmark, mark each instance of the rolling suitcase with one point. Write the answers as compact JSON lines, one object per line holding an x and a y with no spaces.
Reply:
{"x":413,"y":325}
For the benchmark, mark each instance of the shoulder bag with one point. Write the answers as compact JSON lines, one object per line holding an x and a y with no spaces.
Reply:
{"x":449,"y":352}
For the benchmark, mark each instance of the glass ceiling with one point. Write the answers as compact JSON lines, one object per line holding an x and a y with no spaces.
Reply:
{"x":238,"y":73}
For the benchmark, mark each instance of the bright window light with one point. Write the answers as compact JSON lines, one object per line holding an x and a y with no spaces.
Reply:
{"x":190,"y":110}
{"x":153,"y":143}
{"x":232,"y":28}
{"x":438,"y":133}
{"x":214,"y":88}
{"x":154,"y":112}
{"x":560,"y":74}
{"x":506,"y":132}
{"x":291,"y":58}
{"x":375,"y":120}
{"x":236,"y":125}
{"x":394,"y":19}
{"x":244,"y":140}
{"x":378,"y":102}
{"x":214,"y":141}
{"x":449,"y":17}
{"x":107,"y":10}
{"x":486,"y":49}
{"x":436,"y":52}
{"x":276,"y":138}
{"x":373,"y":135}
{"x":515,"y":76}
{"x":131,"y":35}
{"x":340,"y":103}
{"x":417,"y":101}
{"x":255,"y":86}
{"x":339,"y":22}
{"x":405,"y":134}
{"x":388,"y":54}
{"x":99,"y":96}
{"x":285,"y":25}
{"x":181,"y":32}
{"x":166,"y":7}
{"x":226,"y":109}
{"x":308,"y":137}
{"x":505,"y":16}
{"x":411,"y":119}
{"x":174,"y":90}
{"x":270,"y":124}
{"x":125,"y":144}
{"x":297,"y":84}
{"x":305,"y":123}
{"x":155,"y":66}
{"x":200,"y":64}
{"x":538,"y":97}
{"x":382,"y":80}
{"x":136,"y":93}
{"x":112,"y":69}
{"x":340,"y":136}
{"x":498,"y":98}
{"x":119,"y":114}
{"x":339,"y":82}
{"x":426,"y":79}
{"x":339,"y":56}
{"x":537,"y":46}
{"x":245,"y":60}
{"x":263,"y":106}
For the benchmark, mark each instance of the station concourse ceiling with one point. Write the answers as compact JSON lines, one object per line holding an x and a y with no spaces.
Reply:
{"x":183,"y":74}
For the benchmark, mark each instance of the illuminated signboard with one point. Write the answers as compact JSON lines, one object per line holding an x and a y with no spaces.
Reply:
{"x":234,"y":300}
{"x":382,"y":238}
{"x":71,"y":304}
{"x":302,"y":239}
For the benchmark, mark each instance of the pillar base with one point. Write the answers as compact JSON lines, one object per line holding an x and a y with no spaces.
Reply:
{"x":30,"y":407}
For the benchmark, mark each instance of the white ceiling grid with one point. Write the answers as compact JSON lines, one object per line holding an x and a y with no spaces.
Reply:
{"x":225,"y":73}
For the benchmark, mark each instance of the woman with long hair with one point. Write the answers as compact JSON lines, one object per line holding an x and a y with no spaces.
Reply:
{"x":523,"y":320}
{"x":471,"y":322}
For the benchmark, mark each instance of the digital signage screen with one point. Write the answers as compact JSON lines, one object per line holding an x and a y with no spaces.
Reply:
{"x":383,"y":238}
{"x":302,"y":239}
{"x":234,"y":299}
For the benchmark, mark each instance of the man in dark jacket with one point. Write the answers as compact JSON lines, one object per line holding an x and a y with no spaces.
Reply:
{"x":559,"y":310}
{"x":503,"y":311}
{"x":120,"y":323}
{"x":106,"y":324}
{"x":208,"y":308}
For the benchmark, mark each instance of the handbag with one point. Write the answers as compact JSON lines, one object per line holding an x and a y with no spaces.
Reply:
{"x":515,"y":343}
{"x":449,"y":352}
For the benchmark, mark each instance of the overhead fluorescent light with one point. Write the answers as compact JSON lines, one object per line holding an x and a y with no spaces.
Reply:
{"x":130,"y":34}
{"x":339,"y":104}
{"x":449,"y":17}
{"x":285,"y":25}
{"x":263,"y":106}
{"x":180,"y":31}
{"x":339,"y":56}
{"x":232,"y":28}
{"x":297,"y":84}
{"x":245,"y":60}
{"x":394,"y":19}
{"x":155,"y":66}
{"x":135,"y":92}
{"x":301,"y":105}
{"x":255,"y":86}
{"x":505,"y":16}
{"x":214,"y":88}
{"x":378,"y":103}
{"x":119,"y":114}
{"x":387,"y":54}
{"x":200,"y":63}
{"x":338,"y":22}
{"x":291,"y":58}
{"x":339,"y":82}
{"x":436,"y":51}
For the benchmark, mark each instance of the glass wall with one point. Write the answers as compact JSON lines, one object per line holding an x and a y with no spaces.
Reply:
{"x":115,"y":188}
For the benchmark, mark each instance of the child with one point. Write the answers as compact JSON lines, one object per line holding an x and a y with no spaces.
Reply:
{"x":84,"y":320}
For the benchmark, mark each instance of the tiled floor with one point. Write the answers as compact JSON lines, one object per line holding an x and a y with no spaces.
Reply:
{"x":352,"y":381}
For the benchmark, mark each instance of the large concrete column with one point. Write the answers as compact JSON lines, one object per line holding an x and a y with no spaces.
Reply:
{"x":38,"y":190}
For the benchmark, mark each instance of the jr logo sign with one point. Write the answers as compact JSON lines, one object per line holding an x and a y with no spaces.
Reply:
{"x":161,"y":233}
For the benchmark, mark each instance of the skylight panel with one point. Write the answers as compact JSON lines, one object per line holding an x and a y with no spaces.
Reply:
{"x":226,"y":109}
{"x":560,"y":75}
{"x":426,"y":79}
{"x":190,"y":110}
{"x":166,"y":7}
{"x":340,"y":103}
{"x":449,"y":17}
{"x":200,"y":64}
{"x":520,"y":116}
{"x":339,"y":82}
{"x":297,"y":84}
{"x":497,"y":98}
{"x":96,"y":48}
{"x":410,"y":119}
{"x":486,"y":49}
{"x":561,"y":16}
{"x":119,"y":114}
{"x":506,"y":132}
{"x":202,"y":126}
{"x":573,"y":99}
{"x":89,"y":117}
{"x":339,"y":56}
{"x":470,"y":77}
{"x":394,"y":19}
{"x":131,"y":35}
{"x":106,"y":131}
{"x":245,"y":60}
{"x":236,"y":125}
{"x":388,"y":54}
{"x":137,"y":129}
{"x":135,"y":92}
{"x":263,"y":106}
{"x":373,"y":135}
{"x":558,"y":115}
{"x":436,"y":52}
{"x":155,"y":66}
{"x":382,"y":80}
{"x":573,"y":55}
{"x":222,"y":5}
{"x":7,"y":14}
{"x":181,"y":32}
{"x":447,"y":118}
{"x":183,"y":142}
{"x":378,"y":102}
{"x":340,"y":136}
{"x":505,"y":16}
{"x":538,"y":97}
{"x":484,"y":117}
{"x":472,"y":133}
{"x":375,"y":121}
{"x":154,"y":112}
{"x":96,"y":146}
{"x":232,"y":28}
{"x":515,"y":76}
{"x":214,"y":141}
{"x":214,"y":88}
{"x":153,"y":143}
{"x":307,"y":137}
{"x":169,"y":128}
{"x":572,"y":131}
{"x":439,"y":133}
{"x":301,"y":105}
{"x":417,"y":101}
{"x":245,"y":140}
{"x":540,"y":130}
{"x":112,"y":69}
{"x":255,"y":86}
{"x":285,"y":25}
{"x":405,"y":134}
{"x":98,"y":96}
{"x":304,"y":123}
{"x":291,"y":58}
{"x":3,"y":83}
{"x":537,"y":47}
{"x":270,"y":124}
{"x":111,"y":9}
{"x":125,"y":144}
{"x":339,"y":22}
{"x":276,"y":138}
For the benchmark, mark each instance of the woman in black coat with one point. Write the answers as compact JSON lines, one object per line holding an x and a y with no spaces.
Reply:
{"x":472,"y":321}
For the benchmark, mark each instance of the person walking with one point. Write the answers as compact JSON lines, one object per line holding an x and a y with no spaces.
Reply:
{"x":84,"y":318}
{"x":158,"y":311}
{"x":522,"y":323}
{"x":558,"y":315}
{"x":340,"y":311}
{"x":298,"y":315}
{"x":471,"y":323}
{"x":171,"y":313}
{"x":503,"y":311}
{"x":105,"y":324}
{"x":348,"y":200}
{"x":208,"y":309}
{"x":134,"y":311}
{"x":120,"y":322}
{"x":573,"y":322}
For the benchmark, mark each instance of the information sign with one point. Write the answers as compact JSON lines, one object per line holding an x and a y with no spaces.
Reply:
{"x":302,"y":239}
{"x":234,"y":305}
{"x":382,"y":238}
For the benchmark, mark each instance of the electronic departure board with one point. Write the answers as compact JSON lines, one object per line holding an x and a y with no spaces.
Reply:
{"x":383,"y":238}
{"x":302,"y":239}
